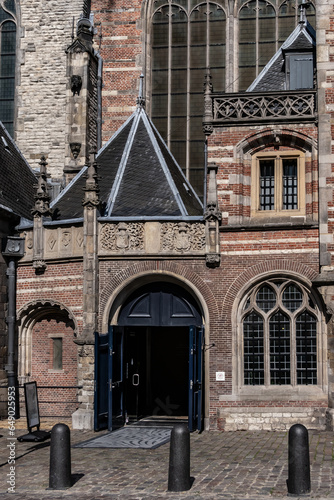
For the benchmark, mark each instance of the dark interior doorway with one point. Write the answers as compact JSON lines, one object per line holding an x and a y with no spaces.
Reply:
{"x":156,"y":371}
{"x":151,"y":363}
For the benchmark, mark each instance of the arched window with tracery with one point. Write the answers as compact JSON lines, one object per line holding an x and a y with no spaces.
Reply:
{"x":7,"y":62}
{"x":187,"y":38}
{"x":280,"y":329}
{"x":263,"y":27}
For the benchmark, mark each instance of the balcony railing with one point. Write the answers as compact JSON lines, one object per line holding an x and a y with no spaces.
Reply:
{"x":255,"y":108}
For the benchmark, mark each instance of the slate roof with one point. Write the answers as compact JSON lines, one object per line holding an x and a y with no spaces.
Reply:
{"x":17,"y":179}
{"x":272,"y":77}
{"x":138,"y":177}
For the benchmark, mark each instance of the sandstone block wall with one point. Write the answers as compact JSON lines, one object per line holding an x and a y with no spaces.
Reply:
{"x":46,"y":30}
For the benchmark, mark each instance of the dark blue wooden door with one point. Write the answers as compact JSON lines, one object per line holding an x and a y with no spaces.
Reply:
{"x":108,"y":394}
{"x":116,"y":391}
{"x":102,"y":377}
{"x":195,"y":403}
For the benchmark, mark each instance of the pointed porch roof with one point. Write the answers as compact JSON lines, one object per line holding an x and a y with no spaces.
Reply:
{"x":138,"y":177}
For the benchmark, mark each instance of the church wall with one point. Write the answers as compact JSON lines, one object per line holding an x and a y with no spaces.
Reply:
{"x":325,"y":80}
{"x":219,"y":287}
{"x":121,"y":27}
{"x":41,"y":94}
{"x":60,"y":282}
{"x":234,"y":150}
{"x":50,"y":306}
{"x":54,"y":400}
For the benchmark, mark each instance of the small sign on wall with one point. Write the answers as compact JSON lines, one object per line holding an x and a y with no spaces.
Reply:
{"x":220,"y":376}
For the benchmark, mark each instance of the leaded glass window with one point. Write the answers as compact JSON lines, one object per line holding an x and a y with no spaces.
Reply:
{"x":263,"y":27}
{"x":7,"y":63}
{"x":278,"y":182}
{"x":279,"y":327}
{"x":253,"y":350}
{"x":267,"y":184}
{"x":187,"y":38}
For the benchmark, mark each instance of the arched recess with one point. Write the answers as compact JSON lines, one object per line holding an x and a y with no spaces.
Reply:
{"x":116,"y":296}
{"x":279,"y":146}
{"x":123,"y":298}
{"x":30,"y":314}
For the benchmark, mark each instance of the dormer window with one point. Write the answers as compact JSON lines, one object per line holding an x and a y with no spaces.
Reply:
{"x":299,"y":71}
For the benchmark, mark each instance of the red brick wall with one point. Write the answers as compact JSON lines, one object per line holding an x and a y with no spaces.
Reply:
{"x":121,"y":45}
{"x":60,"y":285}
{"x":219,"y":288}
{"x":54,"y":401}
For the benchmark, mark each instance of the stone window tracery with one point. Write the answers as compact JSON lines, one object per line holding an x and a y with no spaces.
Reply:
{"x":279,"y":335}
{"x":263,"y":27}
{"x":187,"y":38}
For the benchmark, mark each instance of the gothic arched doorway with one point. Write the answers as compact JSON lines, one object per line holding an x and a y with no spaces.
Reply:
{"x":151,"y":362}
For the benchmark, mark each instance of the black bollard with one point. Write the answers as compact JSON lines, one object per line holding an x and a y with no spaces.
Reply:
{"x":179,"y":459}
{"x":299,"y":478}
{"x":60,"y":458}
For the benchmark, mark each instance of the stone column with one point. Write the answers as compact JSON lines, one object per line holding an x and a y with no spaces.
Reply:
{"x":83,"y":418}
{"x":212,"y":216}
{"x":40,"y":211}
{"x":81,"y":100}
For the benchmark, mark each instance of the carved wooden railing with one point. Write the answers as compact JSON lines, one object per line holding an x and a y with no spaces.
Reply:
{"x":267,"y":107}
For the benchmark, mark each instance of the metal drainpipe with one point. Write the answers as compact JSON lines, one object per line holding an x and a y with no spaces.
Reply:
{"x":99,"y":101}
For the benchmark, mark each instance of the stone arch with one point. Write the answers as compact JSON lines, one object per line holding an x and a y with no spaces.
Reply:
{"x":258,"y":272}
{"x":275,"y":137}
{"x":30,"y":314}
{"x":120,"y":286}
{"x":139,"y":274}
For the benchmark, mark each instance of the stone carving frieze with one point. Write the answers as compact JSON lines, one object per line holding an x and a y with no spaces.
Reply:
{"x":122,"y":237}
{"x":152,"y":238}
{"x":182,"y":237}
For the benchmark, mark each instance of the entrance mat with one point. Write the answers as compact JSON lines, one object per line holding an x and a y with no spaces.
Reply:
{"x":130,"y":437}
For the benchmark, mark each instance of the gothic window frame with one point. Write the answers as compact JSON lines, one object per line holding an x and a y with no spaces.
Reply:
{"x":191,"y":132}
{"x":280,"y":187}
{"x":280,"y":32}
{"x":245,"y":305}
{"x":8,"y":14}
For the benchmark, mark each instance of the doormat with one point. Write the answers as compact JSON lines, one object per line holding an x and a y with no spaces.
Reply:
{"x":130,"y":437}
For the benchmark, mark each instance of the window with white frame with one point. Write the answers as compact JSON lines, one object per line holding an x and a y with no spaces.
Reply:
{"x":280,"y":323}
{"x":7,"y":62}
{"x":278,"y":184}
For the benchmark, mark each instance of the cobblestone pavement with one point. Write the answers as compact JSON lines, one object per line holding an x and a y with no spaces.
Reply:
{"x":231,"y":465}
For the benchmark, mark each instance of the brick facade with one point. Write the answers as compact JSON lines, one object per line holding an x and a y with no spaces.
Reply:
{"x":63,"y":299}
